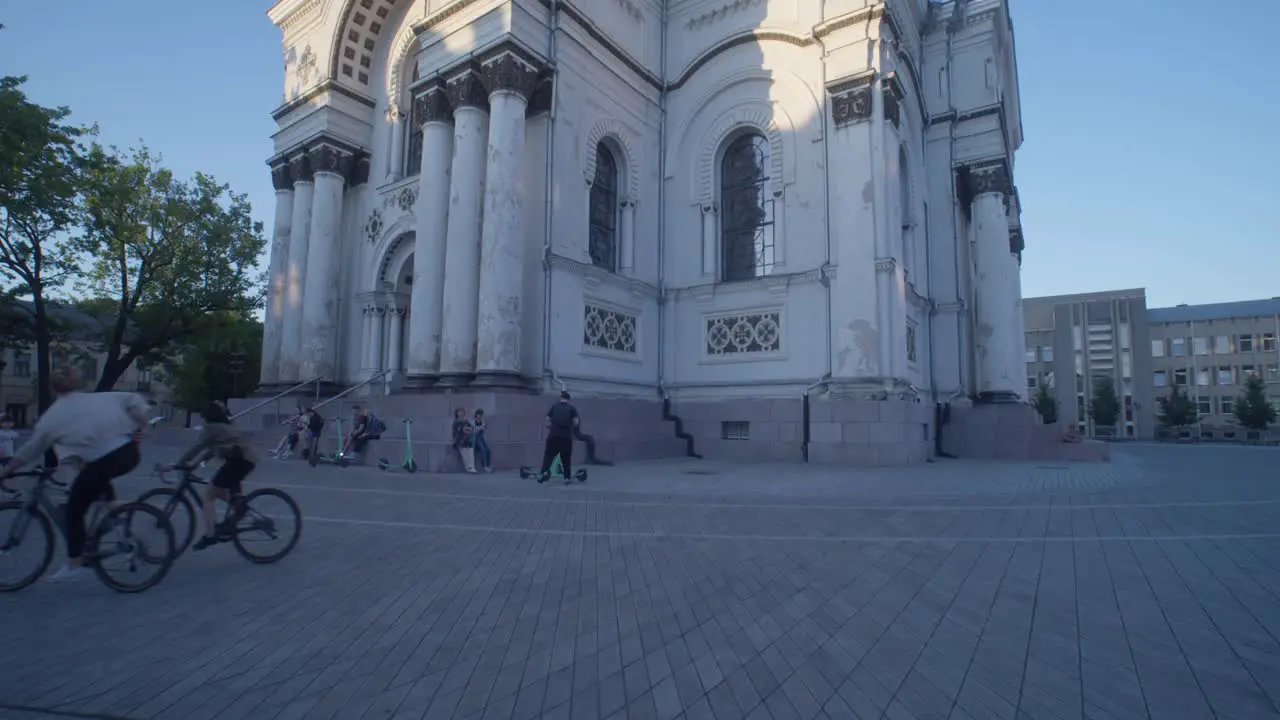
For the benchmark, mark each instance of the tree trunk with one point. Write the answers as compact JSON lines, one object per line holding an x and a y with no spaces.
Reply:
{"x":44,"y":394}
{"x":114,"y":368}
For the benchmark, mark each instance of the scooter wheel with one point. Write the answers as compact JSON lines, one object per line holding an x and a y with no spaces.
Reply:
{"x":580,"y":475}
{"x":383,"y":465}
{"x":411,"y":467}
{"x":526,"y":472}
{"x":343,"y":462}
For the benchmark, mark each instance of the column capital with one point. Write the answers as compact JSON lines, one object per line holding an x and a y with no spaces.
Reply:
{"x":509,"y":73}
{"x":300,"y":168}
{"x":433,"y":106}
{"x":281,"y":177}
{"x":467,"y":90}
{"x":850,"y":99}
{"x":324,"y":153}
{"x":988,"y":177}
{"x":329,"y":159}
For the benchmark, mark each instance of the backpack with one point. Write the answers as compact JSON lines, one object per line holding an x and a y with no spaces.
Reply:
{"x":375,"y":426}
{"x":316,"y":423}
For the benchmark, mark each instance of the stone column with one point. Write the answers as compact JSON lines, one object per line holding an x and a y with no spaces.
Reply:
{"x":378,"y":316}
{"x":395,"y":327}
{"x":462,"y":237}
{"x":627,"y":249}
{"x":278,"y":275}
{"x":395,"y":168}
{"x":709,"y":240}
{"x":296,"y":271}
{"x":320,"y":297}
{"x":998,"y":381}
{"x":510,"y":82}
{"x":1015,"y":291}
{"x":432,"y":228}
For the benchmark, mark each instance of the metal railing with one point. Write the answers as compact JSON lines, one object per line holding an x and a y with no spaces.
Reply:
{"x":348,"y":391}
{"x":278,"y":396}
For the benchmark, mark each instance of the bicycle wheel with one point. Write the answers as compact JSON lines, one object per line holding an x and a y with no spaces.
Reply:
{"x":182,"y":517}
{"x":140,"y":538}
{"x":23,"y":527}
{"x":257,"y":523}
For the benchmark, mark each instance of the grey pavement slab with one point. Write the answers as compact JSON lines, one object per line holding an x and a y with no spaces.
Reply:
{"x":1148,"y":587}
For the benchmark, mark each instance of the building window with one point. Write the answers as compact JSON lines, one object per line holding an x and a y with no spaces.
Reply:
{"x":21,"y":363}
{"x":1204,"y":406}
{"x":1228,"y":406}
{"x":1126,"y":364}
{"x":1247,"y":370}
{"x":1077,"y":338}
{"x":1180,"y":377}
{"x":1046,"y":353}
{"x":1202,"y":377}
{"x":1157,"y":348}
{"x":1226,"y":376}
{"x":604,"y":210}
{"x":746,"y":209}
{"x":1124,"y":335}
{"x":904,"y":201}
{"x":1222,"y":345}
{"x":1178,"y":347}
{"x":911,"y":343}
{"x":1268,"y":342}
{"x":413,"y":140}
{"x":1273,"y":373}
{"x":1244,"y":343}
{"x":1048,"y":379}
{"x":88,"y":370}
{"x":735,"y":431}
{"x":1160,"y":378}
{"x":1031,"y":355}
{"x":1079,"y":364}
{"x":1201,"y":345}
{"x":144,"y":376}
{"x":1031,"y":382}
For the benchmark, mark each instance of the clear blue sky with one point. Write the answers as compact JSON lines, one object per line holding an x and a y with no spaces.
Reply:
{"x":1150,"y":156}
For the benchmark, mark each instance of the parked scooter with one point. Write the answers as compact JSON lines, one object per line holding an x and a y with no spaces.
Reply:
{"x":408,"y":464}
{"x":341,"y":458}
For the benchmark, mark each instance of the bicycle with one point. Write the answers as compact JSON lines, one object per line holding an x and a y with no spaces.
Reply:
{"x":36,"y":510}
{"x":239,"y":509}
{"x":408,"y":464}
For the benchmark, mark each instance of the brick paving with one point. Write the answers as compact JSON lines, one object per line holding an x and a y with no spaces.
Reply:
{"x":1145,"y":588}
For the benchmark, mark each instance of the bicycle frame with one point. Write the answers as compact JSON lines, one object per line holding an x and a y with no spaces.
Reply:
{"x":38,"y":500}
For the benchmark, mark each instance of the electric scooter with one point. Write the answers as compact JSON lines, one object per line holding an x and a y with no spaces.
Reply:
{"x":527,"y":471}
{"x":340,"y":458}
{"x":408,"y":465}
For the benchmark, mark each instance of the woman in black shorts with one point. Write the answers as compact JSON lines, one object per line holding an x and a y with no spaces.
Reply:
{"x":220,"y":439}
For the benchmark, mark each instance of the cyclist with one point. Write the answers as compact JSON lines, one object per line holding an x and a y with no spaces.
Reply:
{"x":97,"y":431}
{"x":219,"y":439}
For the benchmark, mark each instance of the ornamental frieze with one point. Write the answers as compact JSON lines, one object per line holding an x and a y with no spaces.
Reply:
{"x":851,"y":101}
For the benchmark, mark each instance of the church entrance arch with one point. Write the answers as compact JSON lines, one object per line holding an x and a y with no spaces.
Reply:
{"x":386,"y":309}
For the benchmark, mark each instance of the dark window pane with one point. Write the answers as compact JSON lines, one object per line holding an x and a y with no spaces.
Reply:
{"x":746,"y":209}
{"x":413,"y":148}
{"x":604,"y":210}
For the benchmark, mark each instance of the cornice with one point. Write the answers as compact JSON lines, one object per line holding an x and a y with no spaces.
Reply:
{"x":287,"y":14}
{"x":777,"y":284}
{"x":317,"y":91}
{"x":593,"y":277}
{"x":333,"y":154}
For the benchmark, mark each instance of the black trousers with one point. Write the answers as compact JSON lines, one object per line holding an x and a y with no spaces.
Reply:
{"x":556,"y":445}
{"x":93,"y":484}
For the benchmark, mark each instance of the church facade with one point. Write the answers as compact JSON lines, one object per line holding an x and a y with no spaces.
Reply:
{"x":730,"y":204}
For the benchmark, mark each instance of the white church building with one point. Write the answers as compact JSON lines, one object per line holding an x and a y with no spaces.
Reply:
{"x":795,"y":221}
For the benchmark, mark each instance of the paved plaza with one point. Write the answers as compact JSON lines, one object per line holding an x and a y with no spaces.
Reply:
{"x":1144,"y":588}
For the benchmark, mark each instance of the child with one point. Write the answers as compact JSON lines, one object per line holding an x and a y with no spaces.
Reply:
{"x":483,"y":454}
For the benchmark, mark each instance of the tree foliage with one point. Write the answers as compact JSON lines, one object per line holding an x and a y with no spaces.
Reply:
{"x":1253,"y":410}
{"x":222,"y":362}
{"x":167,"y":253}
{"x":1178,"y":410}
{"x":1105,"y":408}
{"x":1046,"y":405}
{"x":40,"y":178}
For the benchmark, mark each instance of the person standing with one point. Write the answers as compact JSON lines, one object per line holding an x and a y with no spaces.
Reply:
{"x":562,"y":420}
{"x":483,"y":453}
{"x":463,"y":440}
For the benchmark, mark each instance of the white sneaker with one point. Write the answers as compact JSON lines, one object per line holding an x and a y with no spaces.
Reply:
{"x":70,"y":573}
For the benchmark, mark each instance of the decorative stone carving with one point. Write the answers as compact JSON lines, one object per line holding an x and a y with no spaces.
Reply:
{"x":300,"y":168}
{"x":433,"y":106}
{"x":606,"y":329}
{"x":891,"y":95}
{"x":326,"y":158}
{"x":1016,"y":244}
{"x":373,"y":226}
{"x":510,"y":74}
{"x":989,"y":178}
{"x":468,"y":90}
{"x":746,"y":334}
{"x":281,"y":177}
{"x":911,"y":342}
{"x":540,"y":100}
{"x":851,"y":101}
{"x":885,"y":265}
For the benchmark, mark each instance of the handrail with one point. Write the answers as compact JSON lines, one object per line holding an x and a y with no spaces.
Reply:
{"x":351,"y":389}
{"x":275,"y":397}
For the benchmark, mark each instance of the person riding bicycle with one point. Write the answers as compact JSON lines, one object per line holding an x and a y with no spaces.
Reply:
{"x":219,"y":439}
{"x":99,"y":432}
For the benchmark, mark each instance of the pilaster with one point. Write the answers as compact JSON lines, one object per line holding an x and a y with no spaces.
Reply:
{"x":277,"y":274}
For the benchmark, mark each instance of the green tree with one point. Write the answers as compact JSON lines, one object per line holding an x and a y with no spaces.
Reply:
{"x":1253,"y":410}
{"x":222,"y":362}
{"x":1177,"y":410}
{"x":1046,"y":405}
{"x":40,"y":177}
{"x":167,"y":253}
{"x":1105,"y":408}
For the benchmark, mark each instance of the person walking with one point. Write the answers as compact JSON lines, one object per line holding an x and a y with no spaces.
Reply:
{"x":562,"y":420}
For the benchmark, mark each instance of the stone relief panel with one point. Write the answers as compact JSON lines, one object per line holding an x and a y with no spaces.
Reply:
{"x":609,"y":330}
{"x":752,"y":334}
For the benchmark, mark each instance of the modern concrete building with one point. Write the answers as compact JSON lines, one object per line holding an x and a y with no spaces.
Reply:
{"x":1073,"y":340}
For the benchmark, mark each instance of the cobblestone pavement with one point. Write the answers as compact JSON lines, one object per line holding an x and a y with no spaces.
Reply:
{"x":1146,"y":588}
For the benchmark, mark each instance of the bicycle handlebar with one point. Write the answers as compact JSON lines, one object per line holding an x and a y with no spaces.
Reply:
{"x":41,"y":474}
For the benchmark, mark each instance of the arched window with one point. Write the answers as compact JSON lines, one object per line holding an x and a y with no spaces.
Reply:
{"x":604,"y":210}
{"x":746,"y":209}
{"x":413,"y":146}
